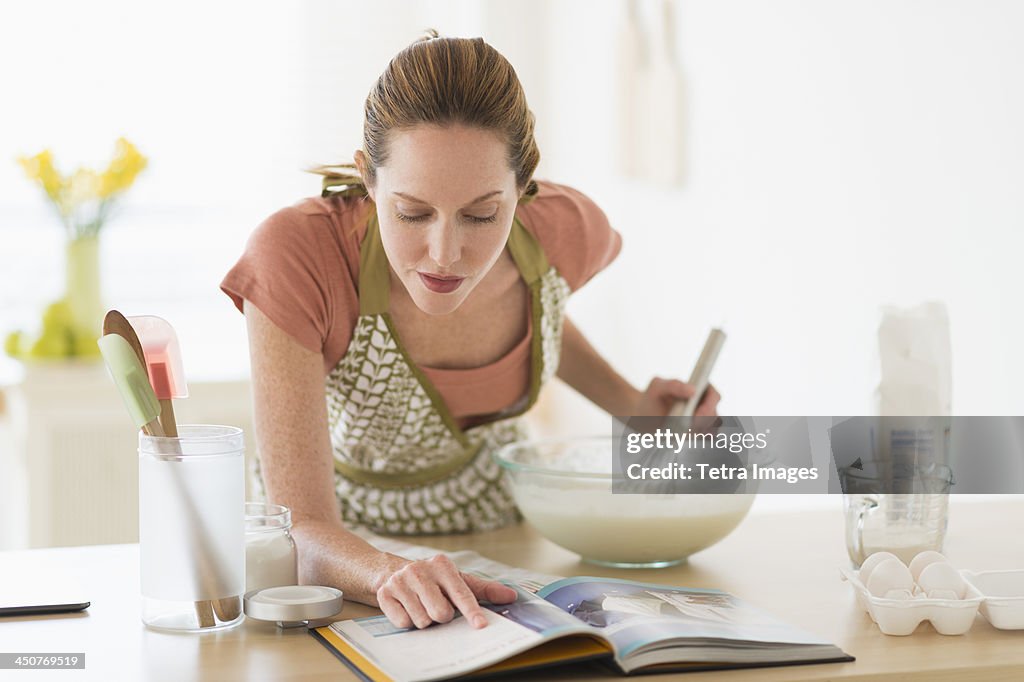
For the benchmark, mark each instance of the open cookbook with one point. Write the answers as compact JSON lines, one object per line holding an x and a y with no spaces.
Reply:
{"x":633,"y":627}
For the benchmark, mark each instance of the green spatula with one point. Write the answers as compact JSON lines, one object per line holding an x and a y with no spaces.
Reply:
{"x":132,"y":383}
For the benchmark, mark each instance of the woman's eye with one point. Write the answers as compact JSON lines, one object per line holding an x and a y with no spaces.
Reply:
{"x":420,"y":218}
{"x":411,"y":218}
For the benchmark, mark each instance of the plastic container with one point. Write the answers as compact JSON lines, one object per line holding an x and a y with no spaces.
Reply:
{"x":271,"y":559}
{"x":902,"y":616}
{"x":1002,"y":594}
{"x":191,"y":528}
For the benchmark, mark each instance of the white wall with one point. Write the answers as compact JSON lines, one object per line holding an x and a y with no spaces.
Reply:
{"x":840,"y":156}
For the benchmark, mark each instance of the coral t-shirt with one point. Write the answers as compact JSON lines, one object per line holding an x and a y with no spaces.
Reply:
{"x":300,"y":267}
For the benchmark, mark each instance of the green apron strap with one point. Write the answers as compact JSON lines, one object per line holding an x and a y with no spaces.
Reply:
{"x":527,"y":253}
{"x":374,"y":272}
{"x":380,"y":479}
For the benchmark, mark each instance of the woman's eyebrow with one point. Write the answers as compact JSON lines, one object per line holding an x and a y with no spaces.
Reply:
{"x":475,"y":201}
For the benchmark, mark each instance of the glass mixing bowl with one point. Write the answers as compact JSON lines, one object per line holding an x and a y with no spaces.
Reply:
{"x":563,"y":487}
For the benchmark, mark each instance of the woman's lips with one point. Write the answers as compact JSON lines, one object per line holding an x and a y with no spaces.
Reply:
{"x":440,"y":285}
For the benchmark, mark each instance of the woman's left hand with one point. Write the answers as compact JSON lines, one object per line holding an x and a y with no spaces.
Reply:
{"x":662,"y":394}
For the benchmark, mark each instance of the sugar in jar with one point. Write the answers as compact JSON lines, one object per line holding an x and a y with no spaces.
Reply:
{"x":270,"y":556}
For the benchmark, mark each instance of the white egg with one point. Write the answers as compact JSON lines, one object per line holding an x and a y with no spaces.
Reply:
{"x":940,"y":580}
{"x":923,"y":560}
{"x":890,"y":574}
{"x":870,"y":563}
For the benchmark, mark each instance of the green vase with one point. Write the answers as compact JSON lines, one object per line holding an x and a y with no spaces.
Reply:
{"x":83,"y":294}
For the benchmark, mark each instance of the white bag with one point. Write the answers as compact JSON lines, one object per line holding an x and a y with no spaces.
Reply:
{"x":916,"y":361}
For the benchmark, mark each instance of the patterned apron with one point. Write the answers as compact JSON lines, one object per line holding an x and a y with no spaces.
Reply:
{"x":402,"y":464}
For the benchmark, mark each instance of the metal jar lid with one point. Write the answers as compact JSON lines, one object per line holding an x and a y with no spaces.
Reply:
{"x":293,"y":605}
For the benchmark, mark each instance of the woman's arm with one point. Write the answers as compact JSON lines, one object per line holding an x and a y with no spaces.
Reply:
{"x":583,"y":368}
{"x":290,"y":416}
{"x":586,"y":371}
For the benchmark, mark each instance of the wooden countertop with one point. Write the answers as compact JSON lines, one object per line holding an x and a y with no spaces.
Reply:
{"x":787,"y":563}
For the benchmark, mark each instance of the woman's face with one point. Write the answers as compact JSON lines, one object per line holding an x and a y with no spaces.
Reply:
{"x":445,"y":203}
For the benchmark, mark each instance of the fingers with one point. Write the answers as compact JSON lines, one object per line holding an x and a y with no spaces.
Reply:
{"x":436,"y":604}
{"x":662,"y":394}
{"x":708,"y":406}
{"x":465,"y":601}
{"x":428,"y":591}
{"x":394,"y":610}
{"x":486,"y":590}
{"x":401,"y":604}
{"x":669,"y":389}
{"x":490,"y":590}
{"x":460,"y":591}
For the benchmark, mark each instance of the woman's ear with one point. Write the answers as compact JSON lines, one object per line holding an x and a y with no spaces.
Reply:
{"x":361,"y":166}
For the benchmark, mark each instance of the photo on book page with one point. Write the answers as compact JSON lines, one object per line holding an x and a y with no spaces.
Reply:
{"x":529,"y":611}
{"x":633,"y":614}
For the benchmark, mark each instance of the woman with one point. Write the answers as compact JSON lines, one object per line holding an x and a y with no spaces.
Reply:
{"x":401,"y":322}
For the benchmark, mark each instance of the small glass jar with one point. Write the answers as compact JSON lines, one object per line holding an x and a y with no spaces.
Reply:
{"x":270,"y":556}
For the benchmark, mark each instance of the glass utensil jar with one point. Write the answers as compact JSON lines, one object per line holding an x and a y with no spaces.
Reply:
{"x":192,"y":528}
{"x":270,"y":556}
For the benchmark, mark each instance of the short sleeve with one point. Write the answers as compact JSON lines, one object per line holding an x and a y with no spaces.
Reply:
{"x":282,"y":272}
{"x":573,"y":231}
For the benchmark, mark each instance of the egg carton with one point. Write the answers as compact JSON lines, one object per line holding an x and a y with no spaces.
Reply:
{"x":902,"y":616}
{"x":1002,"y":593}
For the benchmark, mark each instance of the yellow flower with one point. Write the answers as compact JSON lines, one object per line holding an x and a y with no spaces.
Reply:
{"x":123,"y":169}
{"x":41,"y":169}
{"x":82,"y":199}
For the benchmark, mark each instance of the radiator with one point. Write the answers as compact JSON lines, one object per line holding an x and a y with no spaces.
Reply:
{"x":69,"y":462}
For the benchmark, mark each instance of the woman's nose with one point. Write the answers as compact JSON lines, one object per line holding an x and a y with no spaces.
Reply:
{"x":445,"y":247}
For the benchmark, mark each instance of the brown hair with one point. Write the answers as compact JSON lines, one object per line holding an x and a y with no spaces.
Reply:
{"x":443,"y":81}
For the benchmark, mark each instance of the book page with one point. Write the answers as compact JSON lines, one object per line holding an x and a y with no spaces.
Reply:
{"x":455,"y":648}
{"x":437,"y":651}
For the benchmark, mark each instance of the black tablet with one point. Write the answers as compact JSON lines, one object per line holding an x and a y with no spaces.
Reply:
{"x":17,"y":609}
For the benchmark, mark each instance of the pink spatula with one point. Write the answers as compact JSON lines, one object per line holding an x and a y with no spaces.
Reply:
{"x":163,"y":362}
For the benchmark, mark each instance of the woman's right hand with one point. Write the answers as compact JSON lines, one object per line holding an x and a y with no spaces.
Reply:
{"x":418,"y":593}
